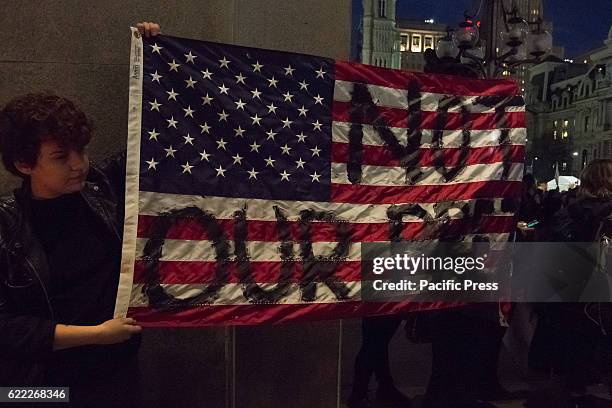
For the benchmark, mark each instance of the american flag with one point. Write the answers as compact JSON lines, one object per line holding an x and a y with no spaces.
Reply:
{"x":259,"y":173}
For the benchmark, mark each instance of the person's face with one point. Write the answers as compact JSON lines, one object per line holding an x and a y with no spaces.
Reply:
{"x":58,"y":171}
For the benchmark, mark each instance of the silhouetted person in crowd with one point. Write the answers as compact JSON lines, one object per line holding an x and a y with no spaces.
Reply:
{"x":373,"y":358}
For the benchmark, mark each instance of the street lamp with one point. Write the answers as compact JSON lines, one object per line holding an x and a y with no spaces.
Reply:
{"x":523,"y":45}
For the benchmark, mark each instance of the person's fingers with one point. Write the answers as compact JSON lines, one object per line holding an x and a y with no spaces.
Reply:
{"x":147,"y":27}
{"x":134,"y":329}
{"x":140,"y":28}
{"x":155,"y":29}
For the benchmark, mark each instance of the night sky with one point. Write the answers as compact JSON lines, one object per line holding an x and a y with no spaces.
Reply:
{"x":579,"y":26}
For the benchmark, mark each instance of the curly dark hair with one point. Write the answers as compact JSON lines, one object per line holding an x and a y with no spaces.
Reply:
{"x":29,"y":120}
{"x":596,"y":179}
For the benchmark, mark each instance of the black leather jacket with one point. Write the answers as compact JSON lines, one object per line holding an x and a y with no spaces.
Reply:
{"x":27,"y":321}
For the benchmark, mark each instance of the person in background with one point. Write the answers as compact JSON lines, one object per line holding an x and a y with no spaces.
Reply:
{"x":60,"y":252}
{"x":567,"y":342}
{"x":373,"y":358}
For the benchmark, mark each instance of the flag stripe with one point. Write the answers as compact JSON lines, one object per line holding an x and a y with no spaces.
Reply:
{"x":232,"y":293}
{"x":258,"y":251}
{"x":348,"y":193}
{"x":434,"y":83}
{"x":395,"y":117}
{"x":429,"y":102}
{"x":202,"y":272}
{"x":274,"y":314}
{"x":450,"y":138}
{"x":191,"y":229}
{"x":430,"y":176}
{"x":382,"y":156}
{"x":153,"y":204}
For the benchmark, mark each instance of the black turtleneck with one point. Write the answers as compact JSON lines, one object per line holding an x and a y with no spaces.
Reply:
{"x":84,"y":262}
{"x":83,"y":259}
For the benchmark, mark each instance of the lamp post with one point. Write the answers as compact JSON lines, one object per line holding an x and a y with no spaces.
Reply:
{"x":462,"y":50}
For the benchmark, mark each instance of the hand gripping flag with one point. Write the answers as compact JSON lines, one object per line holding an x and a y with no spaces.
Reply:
{"x":254,"y":176}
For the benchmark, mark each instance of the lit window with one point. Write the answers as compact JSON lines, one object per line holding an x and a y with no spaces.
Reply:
{"x":556,"y":123}
{"x":564,"y":166}
{"x":416,"y":43}
{"x":554,"y":134}
{"x":404,"y":42}
{"x":565,"y":134}
{"x":428,"y":42}
{"x":565,"y":123}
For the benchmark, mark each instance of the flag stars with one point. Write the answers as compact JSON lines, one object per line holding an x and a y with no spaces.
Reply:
{"x":301,"y":137}
{"x":186,"y":168}
{"x":170,"y":151}
{"x":152,"y":164}
{"x":316,"y":151}
{"x":153,"y":135}
{"x":284,"y":175}
{"x":188,"y":111}
{"x":220,"y":171}
{"x":300,"y":163}
{"x":256,"y":93}
{"x":156,"y":77}
{"x":190,"y":57}
{"x":289,"y":70}
{"x":318,"y":99}
{"x":223,"y":63}
{"x":270,"y":134}
{"x":240,"y":79}
{"x":257,"y":67}
{"x":206,"y":74}
{"x":221,"y":144}
{"x":188,"y":139}
{"x":239,"y":131}
{"x":223,"y":116}
{"x":285,"y":149}
{"x":302,"y":110}
{"x":317,"y":125}
{"x":205,"y":128}
{"x":223,"y":89}
{"x":190,"y":82}
{"x":255,"y":147}
{"x":206,"y":100}
{"x":171,"y":122}
{"x":204,"y":156}
{"x":271,"y":108}
{"x":155,"y":105}
{"x":315,"y":177}
{"x":240,"y":104}
{"x":288,"y":96}
{"x":174,"y":66}
{"x":320,"y":73}
{"x":156,"y":48}
{"x":237,"y":159}
{"x":172,"y":94}
{"x":256,"y":119}
{"x":253,"y":174}
{"x":303,"y":85}
{"x":287,"y":123}
{"x":269,"y":161}
{"x":272,"y":82}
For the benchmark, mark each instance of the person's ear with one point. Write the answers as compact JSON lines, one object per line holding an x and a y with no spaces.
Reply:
{"x":23,"y":167}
